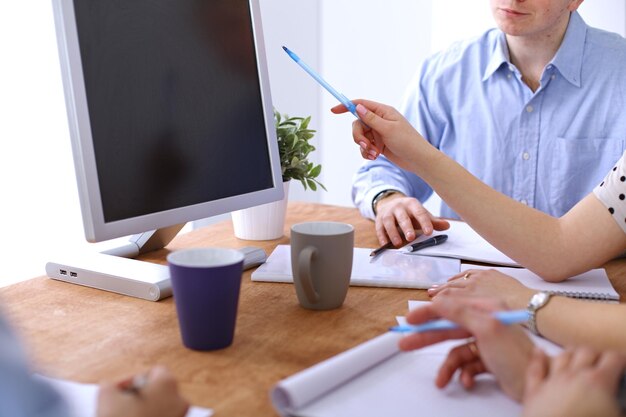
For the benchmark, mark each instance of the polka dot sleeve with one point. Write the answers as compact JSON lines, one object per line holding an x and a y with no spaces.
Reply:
{"x":612,"y":192}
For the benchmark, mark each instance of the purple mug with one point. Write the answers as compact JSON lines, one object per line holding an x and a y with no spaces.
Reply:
{"x":205,"y":283}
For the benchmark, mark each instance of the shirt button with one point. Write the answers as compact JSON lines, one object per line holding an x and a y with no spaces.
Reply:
{"x":509,"y":76}
{"x":552,"y":76}
{"x":529,"y":109}
{"x":524,"y":202}
{"x":526,"y":156}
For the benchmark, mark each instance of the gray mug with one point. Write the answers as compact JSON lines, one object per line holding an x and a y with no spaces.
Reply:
{"x":321,"y":263}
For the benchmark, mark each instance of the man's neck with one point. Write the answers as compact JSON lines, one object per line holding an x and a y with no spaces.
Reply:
{"x":531,"y":53}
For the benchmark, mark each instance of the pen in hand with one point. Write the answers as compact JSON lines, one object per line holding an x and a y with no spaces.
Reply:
{"x":134,"y":384}
{"x":504,"y":317}
{"x":435,"y":240}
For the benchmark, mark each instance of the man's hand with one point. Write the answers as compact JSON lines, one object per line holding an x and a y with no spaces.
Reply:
{"x":398,"y":214}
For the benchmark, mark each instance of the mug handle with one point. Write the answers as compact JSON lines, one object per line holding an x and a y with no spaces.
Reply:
{"x":304,"y":272}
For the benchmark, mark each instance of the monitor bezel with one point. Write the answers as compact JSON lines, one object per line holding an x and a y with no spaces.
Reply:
{"x":95,"y":227}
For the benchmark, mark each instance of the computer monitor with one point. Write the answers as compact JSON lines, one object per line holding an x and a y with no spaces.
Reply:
{"x":169,"y":111}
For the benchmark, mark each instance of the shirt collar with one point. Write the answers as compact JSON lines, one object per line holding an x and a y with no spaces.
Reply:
{"x":568,"y":59}
{"x":499,"y":55}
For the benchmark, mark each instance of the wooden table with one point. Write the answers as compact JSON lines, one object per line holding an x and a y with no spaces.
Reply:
{"x":89,"y":335}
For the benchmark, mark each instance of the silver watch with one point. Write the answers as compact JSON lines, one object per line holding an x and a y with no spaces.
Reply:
{"x":537,"y":301}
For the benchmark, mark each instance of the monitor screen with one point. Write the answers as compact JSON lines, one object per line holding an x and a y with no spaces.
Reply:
{"x":169,"y":108}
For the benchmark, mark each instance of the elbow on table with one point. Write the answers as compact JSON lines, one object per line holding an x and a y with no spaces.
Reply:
{"x":553,"y":274}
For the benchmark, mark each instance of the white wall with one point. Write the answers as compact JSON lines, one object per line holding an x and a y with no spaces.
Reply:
{"x":368,"y":50}
{"x":40,"y":203}
{"x":364,"y":47}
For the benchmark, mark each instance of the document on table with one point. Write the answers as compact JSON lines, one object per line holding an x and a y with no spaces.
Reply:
{"x":391,"y":268}
{"x":464,"y":243}
{"x":82,"y":398}
{"x":375,"y":379}
{"x":590,"y":285}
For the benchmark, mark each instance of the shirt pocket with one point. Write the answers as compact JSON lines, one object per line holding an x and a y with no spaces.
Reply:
{"x":578,"y":165}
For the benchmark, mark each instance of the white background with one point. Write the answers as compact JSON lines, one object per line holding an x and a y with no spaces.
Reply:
{"x":365,"y":48}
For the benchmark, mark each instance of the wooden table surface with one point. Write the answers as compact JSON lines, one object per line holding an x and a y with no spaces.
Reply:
{"x":89,"y":335}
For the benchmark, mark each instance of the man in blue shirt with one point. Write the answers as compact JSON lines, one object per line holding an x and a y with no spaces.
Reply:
{"x":534,"y":108}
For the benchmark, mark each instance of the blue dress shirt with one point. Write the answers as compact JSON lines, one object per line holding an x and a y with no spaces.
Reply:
{"x":21,"y":395}
{"x":547,"y":149}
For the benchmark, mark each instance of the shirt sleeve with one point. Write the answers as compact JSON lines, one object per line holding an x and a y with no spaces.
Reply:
{"x":21,"y":395}
{"x":612,"y":193}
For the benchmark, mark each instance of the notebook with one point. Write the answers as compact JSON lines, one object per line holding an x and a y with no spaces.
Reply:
{"x":591,"y":285}
{"x":375,"y":379}
{"x":391,"y":268}
{"x":464,"y":243}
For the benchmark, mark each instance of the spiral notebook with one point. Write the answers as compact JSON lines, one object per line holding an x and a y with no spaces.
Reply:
{"x":591,"y":285}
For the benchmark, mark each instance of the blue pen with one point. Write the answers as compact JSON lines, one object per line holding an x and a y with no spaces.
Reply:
{"x":505,"y":317}
{"x":342,"y":99}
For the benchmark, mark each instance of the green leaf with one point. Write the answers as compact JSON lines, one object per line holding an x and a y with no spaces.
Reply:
{"x":315,"y":172}
{"x":312,"y":184}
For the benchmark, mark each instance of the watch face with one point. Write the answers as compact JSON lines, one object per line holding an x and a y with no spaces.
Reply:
{"x":539,"y":299}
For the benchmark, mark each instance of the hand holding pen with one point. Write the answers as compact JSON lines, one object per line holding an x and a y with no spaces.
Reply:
{"x":489,"y":342}
{"x":145,"y":395}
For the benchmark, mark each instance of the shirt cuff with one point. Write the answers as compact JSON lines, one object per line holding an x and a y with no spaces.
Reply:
{"x":366,"y":207}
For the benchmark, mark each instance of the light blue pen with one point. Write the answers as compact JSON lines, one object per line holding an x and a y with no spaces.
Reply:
{"x":505,"y":317}
{"x":342,"y":99}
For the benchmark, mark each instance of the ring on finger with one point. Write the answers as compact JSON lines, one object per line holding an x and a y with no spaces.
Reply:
{"x":473,"y":348}
{"x":466,"y":276}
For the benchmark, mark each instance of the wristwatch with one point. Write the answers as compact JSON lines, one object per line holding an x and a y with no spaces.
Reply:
{"x":537,"y":301}
{"x":380,"y":196}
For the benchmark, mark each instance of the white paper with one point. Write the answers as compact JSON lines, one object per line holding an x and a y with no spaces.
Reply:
{"x":594,"y":284}
{"x":390,"y":268}
{"x":464,"y":243}
{"x":375,"y":379}
{"x":82,"y":399}
{"x":302,"y":388}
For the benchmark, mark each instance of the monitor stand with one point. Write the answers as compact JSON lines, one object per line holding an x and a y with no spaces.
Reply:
{"x":115,"y":270}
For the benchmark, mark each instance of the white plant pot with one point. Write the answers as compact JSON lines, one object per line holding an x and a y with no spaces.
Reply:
{"x":264,"y":222}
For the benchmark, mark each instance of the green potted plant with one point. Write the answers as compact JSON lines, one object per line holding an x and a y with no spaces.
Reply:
{"x":293,"y":135}
{"x":266,"y":222}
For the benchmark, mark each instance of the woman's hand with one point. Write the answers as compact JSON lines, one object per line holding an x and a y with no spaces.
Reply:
{"x":577,"y":383}
{"x":382,"y":129}
{"x":486,"y":283}
{"x":501,"y":350}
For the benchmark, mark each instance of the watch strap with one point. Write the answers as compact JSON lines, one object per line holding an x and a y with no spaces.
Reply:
{"x":536,"y":303}
{"x":380,"y":196}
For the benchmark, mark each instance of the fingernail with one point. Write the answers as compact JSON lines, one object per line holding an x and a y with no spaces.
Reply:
{"x":373,"y":153}
{"x":361,"y":109}
{"x":363,"y":145}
